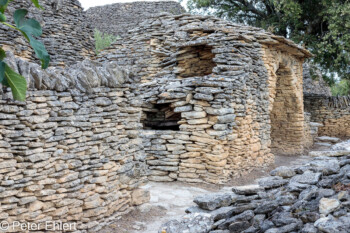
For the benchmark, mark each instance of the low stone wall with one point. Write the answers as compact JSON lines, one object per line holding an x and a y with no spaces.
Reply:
{"x":71,"y":156}
{"x":332,"y":112}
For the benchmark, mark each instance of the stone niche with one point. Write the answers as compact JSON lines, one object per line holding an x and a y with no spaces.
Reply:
{"x":161,"y":117}
{"x":195,"y":61}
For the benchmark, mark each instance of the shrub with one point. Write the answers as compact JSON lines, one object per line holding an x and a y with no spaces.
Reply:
{"x":341,"y":88}
{"x":103,"y":40}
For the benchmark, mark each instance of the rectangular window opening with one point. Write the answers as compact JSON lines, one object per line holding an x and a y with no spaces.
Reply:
{"x":195,"y":61}
{"x":161,"y":117}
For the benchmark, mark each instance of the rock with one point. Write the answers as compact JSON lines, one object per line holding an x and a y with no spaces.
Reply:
{"x":329,"y":225}
{"x":265,"y":207}
{"x":345,"y":146}
{"x":193,"y":115}
{"x":328,"y":205}
{"x":220,"y":231}
{"x":307,"y":177}
{"x":308,"y":228}
{"x":283,"y":218}
{"x":328,"y":139}
{"x":329,"y":153}
{"x":219,"y":111}
{"x":258,"y":220}
{"x":222,"y":213}
{"x":243,"y":218}
{"x":214,"y":201}
{"x":186,"y":108}
{"x":266,"y":224}
{"x":247,"y":189}
{"x":238,"y":226}
{"x":325,"y":166}
{"x":324,"y":144}
{"x":201,"y":96}
{"x":296,"y":186}
{"x":194,"y":223}
{"x":283,"y":171}
{"x":226,"y":118}
{"x":272,"y":182}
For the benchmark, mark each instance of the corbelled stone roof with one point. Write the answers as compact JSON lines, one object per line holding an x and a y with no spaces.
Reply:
{"x":118,"y":18}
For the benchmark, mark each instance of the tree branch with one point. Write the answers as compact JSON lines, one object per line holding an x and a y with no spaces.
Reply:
{"x":250,"y":7}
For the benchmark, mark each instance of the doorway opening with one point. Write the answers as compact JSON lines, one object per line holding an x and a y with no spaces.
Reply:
{"x":286,"y":115}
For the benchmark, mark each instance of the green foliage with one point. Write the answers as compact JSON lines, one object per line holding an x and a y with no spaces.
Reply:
{"x":17,"y":83}
{"x":30,"y":29}
{"x":341,"y":88}
{"x":323,"y":26}
{"x":103,"y":40}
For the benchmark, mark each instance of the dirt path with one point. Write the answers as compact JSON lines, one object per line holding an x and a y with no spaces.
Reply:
{"x":170,"y":200}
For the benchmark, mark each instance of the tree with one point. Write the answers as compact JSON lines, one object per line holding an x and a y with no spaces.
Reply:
{"x":30,"y":29}
{"x":323,"y":26}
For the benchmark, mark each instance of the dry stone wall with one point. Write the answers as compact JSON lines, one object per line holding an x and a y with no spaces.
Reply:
{"x":118,"y":18}
{"x":330,"y":111}
{"x":66,"y":31}
{"x":71,"y":155}
{"x":222,"y":78}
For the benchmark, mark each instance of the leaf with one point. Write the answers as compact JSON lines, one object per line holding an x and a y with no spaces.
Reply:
{"x":17,"y":83}
{"x":3,"y":5}
{"x":2,"y":54}
{"x":31,"y":28}
{"x":2,"y":17}
{"x":2,"y":71}
{"x":36,"y":4}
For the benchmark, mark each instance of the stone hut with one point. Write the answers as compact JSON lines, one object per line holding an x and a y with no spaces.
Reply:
{"x":118,"y":18}
{"x":67,"y":34}
{"x":218,"y":98}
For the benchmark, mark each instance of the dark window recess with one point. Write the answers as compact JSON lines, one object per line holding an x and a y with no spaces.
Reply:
{"x":195,"y":61}
{"x":162,"y":117}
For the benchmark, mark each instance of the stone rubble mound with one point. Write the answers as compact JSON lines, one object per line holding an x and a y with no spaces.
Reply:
{"x":312,"y":198}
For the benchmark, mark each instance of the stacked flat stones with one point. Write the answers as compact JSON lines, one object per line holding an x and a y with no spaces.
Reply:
{"x":71,"y":152}
{"x":332,"y":112}
{"x":118,"y":18}
{"x":225,"y":115}
{"x":196,"y":152}
{"x":312,"y":198}
{"x":313,"y":83}
{"x":66,"y":31}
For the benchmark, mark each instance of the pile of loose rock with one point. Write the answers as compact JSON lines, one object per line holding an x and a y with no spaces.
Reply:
{"x":311,"y":198}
